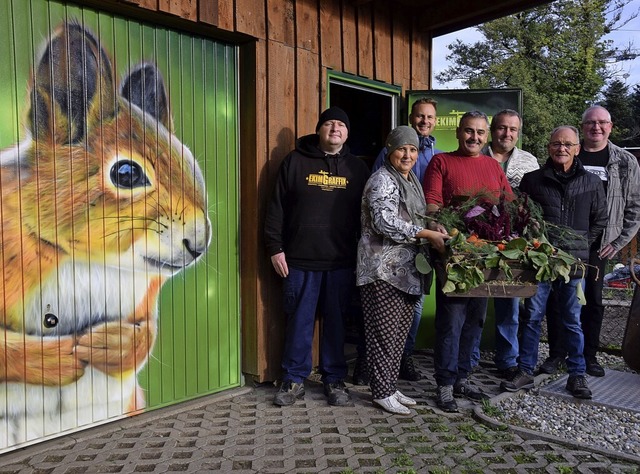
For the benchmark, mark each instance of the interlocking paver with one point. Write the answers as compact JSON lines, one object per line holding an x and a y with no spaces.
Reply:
{"x":243,"y":432}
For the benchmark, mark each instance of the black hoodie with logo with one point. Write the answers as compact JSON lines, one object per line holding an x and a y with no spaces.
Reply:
{"x":314,"y":212}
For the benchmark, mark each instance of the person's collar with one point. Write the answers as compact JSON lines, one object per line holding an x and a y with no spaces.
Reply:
{"x":593,"y":149}
{"x":426,"y":141}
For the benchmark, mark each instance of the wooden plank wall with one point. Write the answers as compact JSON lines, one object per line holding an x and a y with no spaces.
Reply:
{"x":283,"y":89}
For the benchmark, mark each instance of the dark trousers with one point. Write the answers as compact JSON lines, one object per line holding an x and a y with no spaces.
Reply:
{"x":304,"y":292}
{"x":459,"y":323}
{"x":591,"y":315}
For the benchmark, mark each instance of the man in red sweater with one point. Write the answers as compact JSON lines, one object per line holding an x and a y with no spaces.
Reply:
{"x":452,"y":176}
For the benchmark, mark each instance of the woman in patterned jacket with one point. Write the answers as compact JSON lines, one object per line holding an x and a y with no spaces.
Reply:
{"x":393,"y":210}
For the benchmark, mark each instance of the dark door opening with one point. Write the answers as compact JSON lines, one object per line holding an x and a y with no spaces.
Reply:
{"x":372,"y":113}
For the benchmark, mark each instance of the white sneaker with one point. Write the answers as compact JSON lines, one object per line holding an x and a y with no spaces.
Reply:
{"x":403,"y":399}
{"x":392,"y":405}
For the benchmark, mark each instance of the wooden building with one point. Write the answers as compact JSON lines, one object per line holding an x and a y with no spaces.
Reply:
{"x":290,"y":52}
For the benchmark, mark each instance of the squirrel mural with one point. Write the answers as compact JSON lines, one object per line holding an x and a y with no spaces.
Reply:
{"x":100,"y":205}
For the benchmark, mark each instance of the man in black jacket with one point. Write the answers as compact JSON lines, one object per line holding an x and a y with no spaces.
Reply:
{"x":311,"y":232}
{"x":571,"y":198}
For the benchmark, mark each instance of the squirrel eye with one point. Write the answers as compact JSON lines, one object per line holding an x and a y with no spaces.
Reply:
{"x":128,"y":174}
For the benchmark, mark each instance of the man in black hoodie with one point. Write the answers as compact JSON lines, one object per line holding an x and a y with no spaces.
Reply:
{"x":311,"y":231}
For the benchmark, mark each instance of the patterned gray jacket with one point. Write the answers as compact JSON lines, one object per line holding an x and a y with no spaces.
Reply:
{"x":387,"y":248}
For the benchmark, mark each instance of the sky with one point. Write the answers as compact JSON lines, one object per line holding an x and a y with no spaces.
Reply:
{"x":629,"y":71}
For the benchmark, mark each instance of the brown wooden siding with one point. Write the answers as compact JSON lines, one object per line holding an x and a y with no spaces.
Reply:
{"x":287,"y":47}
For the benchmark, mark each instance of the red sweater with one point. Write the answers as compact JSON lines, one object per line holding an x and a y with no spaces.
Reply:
{"x":449,"y":175}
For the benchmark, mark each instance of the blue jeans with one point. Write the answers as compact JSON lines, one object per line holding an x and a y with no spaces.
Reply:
{"x":413,"y":330}
{"x":304,"y":291}
{"x":459,"y":324}
{"x":506,"y":313}
{"x":569,"y":309}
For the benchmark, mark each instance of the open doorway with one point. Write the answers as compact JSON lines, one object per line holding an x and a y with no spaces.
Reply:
{"x":372,"y":108}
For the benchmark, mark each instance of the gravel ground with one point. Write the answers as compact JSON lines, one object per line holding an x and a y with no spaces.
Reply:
{"x":608,"y":428}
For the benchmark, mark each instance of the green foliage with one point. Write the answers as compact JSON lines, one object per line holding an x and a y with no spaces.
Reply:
{"x":555,"y":53}
{"x":624,"y":108}
{"x":470,"y":257}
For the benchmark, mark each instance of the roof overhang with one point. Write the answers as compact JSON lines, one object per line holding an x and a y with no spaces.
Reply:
{"x":441,"y":17}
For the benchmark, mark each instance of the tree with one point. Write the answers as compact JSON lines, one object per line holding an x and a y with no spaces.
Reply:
{"x":617,"y":101}
{"x":555,"y":53}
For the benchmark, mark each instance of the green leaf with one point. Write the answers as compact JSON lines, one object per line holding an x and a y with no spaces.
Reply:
{"x":422,"y":264}
{"x":448,"y":287}
{"x":539,"y":259}
{"x":455,"y":272}
{"x":512,"y":254}
{"x":545,"y":248}
{"x":517,"y":244}
{"x":543,"y":274}
{"x":492,"y":261}
{"x":580,"y":294}
{"x":562,"y":271}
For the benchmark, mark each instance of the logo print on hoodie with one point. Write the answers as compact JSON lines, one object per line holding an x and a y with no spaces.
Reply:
{"x":327,"y":182}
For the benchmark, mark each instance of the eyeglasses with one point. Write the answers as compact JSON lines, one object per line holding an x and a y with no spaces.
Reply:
{"x":591,"y":123}
{"x":558,"y":145}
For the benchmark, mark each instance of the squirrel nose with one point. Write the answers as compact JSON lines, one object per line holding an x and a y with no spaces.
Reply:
{"x":194,"y":251}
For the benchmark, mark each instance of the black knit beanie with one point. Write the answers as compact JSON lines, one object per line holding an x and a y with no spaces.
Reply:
{"x":334,"y":113}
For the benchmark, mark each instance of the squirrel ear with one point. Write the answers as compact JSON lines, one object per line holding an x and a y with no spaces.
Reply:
{"x":72,"y":88}
{"x":144,"y":87}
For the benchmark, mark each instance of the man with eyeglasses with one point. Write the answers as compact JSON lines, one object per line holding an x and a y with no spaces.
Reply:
{"x":620,"y":174}
{"x":505,"y":128}
{"x":573,"y":198}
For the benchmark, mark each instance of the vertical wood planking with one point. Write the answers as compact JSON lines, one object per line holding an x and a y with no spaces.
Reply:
{"x":208,"y":12}
{"x":281,"y":101}
{"x":401,"y":32}
{"x":256,"y":292}
{"x":349,"y":38}
{"x":146,"y":4}
{"x":420,"y":60}
{"x":382,"y":54}
{"x":306,"y":25}
{"x":330,"y":37}
{"x":251,"y":18}
{"x":308,"y":90}
{"x":225,"y":15}
{"x":187,"y":9}
{"x":365,"y":41}
{"x":280,"y":21}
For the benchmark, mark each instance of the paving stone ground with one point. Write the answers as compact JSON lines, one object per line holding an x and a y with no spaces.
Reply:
{"x":241,"y":431}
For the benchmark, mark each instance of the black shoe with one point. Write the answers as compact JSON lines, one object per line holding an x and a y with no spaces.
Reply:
{"x":577,"y":385}
{"x":520,"y":380}
{"x":408,"y":370}
{"x":508,"y":373}
{"x":463,"y":388}
{"x":337,"y":394}
{"x":445,"y":400}
{"x":550,"y":365}
{"x":360,"y":372}
{"x":288,"y":394}
{"x":594,"y":369}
